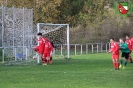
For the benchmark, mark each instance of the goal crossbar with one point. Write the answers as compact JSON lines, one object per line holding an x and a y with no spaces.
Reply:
{"x":45,"y":32}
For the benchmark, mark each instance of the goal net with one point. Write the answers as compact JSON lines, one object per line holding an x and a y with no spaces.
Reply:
{"x":16,"y":29}
{"x":59,"y":35}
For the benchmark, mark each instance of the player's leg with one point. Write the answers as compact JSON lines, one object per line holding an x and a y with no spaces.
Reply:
{"x":43,"y":58}
{"x":117,"y":63}
{"x":50,"y":61}
{"x":36,"y":49}
{"x":122,"y":59}
{"x":121,"y":62}
{"x":45,"y":61}
{"x":48,"y":56}
{"x":114,"y":63}
{"x":130,"y":58}
{"x":41,"y":54}
{"x":125,"y":63}
{"x":126,"y":59}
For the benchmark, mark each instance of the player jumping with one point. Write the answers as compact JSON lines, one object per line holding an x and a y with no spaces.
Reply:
{"x":115,"y":53}
{"x":125,"y":53}
{"x":129,"y":43}
{"x":40,"y":47}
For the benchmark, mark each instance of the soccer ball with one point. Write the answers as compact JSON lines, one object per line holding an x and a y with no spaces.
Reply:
{"x":34,"y":57}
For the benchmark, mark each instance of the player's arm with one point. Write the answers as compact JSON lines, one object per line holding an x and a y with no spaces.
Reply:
{"x":109,"y":50}
{"x":120,"y":46}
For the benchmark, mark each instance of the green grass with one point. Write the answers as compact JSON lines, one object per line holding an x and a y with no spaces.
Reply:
{"x":82,"y":71}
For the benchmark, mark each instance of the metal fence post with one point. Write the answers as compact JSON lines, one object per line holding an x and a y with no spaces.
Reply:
{"x":26,"y":55}
{"x":3,"y":54}
{"x":3,"y":51}
{"x":23,"y":28}
{"x":101,"y":47}
{"x":86,"y":48}
{"x":75,"y":49}
{"x":97,"y":48}
{"x":61,"y":50}
{"x":106,"y":47}
{"x":92,"y":48}
{"x":13,"y":30}
{"x":68,"y":41}
{"x":109,"y":46}
{"x":31,"y":27}
{"x":81,"y":49}
{"x":15,"y":54}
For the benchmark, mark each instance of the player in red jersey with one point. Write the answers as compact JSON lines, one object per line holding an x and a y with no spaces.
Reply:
{"x":47,"y":51}
{"x":132,"y":42}
{"x":115,"y":53}
{"x":129,"y":43}
{"x":40,"y":47}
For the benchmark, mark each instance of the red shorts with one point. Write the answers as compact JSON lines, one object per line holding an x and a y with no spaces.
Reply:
{"x":115,"y":56}
{"x":38,"y":50}
{"x":46,"y":55}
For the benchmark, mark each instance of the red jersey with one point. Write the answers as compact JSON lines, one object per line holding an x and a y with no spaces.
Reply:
{"x":129,"y":43}
{"x":44,"y":39}
{"x":132,"y":42}
{"x":40,"y":46}
{"x":114,"y":48}
{"x":47,"y":47}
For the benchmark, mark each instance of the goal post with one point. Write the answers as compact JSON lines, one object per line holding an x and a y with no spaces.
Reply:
{"x":57,"y":33}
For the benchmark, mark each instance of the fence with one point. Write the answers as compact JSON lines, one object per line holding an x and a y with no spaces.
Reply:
{"x":16,"y":29}
{"x":77,"y":49}
{"x":17,"y":36}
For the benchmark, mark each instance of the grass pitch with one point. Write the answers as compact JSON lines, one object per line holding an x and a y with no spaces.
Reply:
{"x":82,"y":71}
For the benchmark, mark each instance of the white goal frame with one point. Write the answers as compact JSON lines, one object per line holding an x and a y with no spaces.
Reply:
{"x":59,"y":26}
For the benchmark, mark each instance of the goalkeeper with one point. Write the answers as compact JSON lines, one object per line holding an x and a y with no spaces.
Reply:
{"x":125,"y":53}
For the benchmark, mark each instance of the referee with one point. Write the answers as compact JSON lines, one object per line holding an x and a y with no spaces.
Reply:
{"x":125,"y":53}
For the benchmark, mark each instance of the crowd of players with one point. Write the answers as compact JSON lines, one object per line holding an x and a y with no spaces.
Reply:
{"x":126,"y":47}
{"x":44,"y":48}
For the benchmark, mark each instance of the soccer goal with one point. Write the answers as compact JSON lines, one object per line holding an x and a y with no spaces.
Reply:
{"x":59,"y":35}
